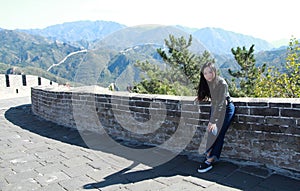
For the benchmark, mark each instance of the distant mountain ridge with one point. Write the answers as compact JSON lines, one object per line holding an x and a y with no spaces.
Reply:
{"x":109,"y":54}
{"x":83,"y":33}
{"x":145,"y":34}
{"x":220,"y":41}
{"x":78,"y":31}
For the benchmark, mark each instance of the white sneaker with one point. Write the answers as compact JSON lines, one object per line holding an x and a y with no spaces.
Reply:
{"x":204,"y":167}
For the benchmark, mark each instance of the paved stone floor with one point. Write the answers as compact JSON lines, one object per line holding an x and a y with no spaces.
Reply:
{"x":39,"y":155}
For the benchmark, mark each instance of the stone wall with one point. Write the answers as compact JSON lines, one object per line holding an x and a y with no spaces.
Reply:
{"x":20,"y":85}
{"x":264,"y":130}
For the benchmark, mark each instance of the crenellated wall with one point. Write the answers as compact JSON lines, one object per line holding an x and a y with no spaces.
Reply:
{"x":264,"y":130}
{"x":20,"y":85}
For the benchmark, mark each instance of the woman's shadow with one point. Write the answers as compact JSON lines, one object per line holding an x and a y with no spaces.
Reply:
{"x":179,"y":165}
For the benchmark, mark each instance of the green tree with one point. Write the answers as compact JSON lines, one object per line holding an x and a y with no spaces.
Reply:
{"x":266,"y":85}
{"x":248,"y":75}
{"x":287,"y":84}
{"x":293,"y":69}
{"x":180,"y":74}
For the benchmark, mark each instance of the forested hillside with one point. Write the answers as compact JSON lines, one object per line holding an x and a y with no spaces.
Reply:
{"x":103,"y":52}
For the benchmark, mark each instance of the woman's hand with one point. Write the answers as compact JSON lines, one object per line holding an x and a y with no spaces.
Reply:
{"x":196,"y":100}
{"x":211,"y":126}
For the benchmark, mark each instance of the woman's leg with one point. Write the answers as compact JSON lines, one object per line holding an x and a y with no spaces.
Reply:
{"x":216,"y":149}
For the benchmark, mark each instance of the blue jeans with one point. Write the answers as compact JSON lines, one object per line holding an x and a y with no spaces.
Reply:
{"x":216,"y":148}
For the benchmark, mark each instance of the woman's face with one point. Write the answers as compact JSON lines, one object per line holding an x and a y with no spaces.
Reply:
{"x":209,"y":74}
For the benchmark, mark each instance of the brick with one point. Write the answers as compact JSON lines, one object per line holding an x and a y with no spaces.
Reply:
{"x":281,"y":105}
{"x":280,"y":121}
{"x":264,"y":111}
{"x":76,"y":183}
{"x":280,"y":183}
{"x":21,"y":177}
{"x":296,"y":105}
{"x":28,"y":184}
{"x":251,"y":119}
{"x":239,"y":104}
{"x":290,"y":113}
{"x":51,"y":178}
{"x":138,"y":110}
{"x":242,"y":110}
{"x":243,"y":180}
{"x":52,"y":187}
{"x":205,"y":108}
{"x":139,"y":104}
{"x":260,"y":104}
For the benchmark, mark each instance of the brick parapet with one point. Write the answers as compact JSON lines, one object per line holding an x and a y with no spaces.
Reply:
{"x":264,"y":130}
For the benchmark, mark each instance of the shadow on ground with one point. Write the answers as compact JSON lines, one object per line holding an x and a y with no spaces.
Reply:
{"x":224,"y":172}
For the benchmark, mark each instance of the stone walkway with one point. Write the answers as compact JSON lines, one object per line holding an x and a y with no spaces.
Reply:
{"x":39,"y":155}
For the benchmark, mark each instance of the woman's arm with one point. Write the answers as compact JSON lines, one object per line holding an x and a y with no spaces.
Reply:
{"x":219,"y":102}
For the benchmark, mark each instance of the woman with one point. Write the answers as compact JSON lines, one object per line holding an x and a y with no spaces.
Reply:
{"x":215,"y":88}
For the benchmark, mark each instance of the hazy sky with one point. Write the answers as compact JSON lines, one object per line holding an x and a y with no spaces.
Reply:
{"x":266,"y":19}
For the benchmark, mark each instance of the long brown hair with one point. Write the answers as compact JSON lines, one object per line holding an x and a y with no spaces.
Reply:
{"x":203,"y":88}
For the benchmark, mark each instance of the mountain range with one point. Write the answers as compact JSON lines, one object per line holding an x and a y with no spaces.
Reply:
{"x":104,"y":52}
{"x":216,"y":40}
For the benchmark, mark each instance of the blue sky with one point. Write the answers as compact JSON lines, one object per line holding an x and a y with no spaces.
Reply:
{"x":269,"y":20}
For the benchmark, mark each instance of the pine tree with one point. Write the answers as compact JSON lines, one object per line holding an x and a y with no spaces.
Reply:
{"x":248,"y":75}
{"x":181,"y":74}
